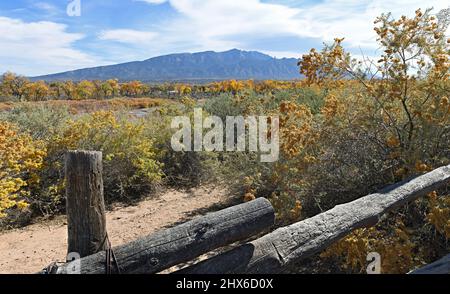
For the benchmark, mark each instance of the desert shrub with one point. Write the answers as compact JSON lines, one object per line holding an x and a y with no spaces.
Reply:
{"x":405,"y":239}
{"x":223,"y":105}
{"x":278,"y":181}
{"x":439,"y":212}
{"x":252,"y":103}
{"x":87,"y":106}
{"x":42,"y":122}
{"x":394,"y":246}
{"x":181,"y":169}
{"x":130,"y":164}
{"x":21,"y":158}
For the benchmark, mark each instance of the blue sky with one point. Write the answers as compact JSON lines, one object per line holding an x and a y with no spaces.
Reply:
{"x":39,"y":37}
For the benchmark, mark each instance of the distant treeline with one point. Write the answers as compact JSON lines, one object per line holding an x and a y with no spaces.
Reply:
{"x":14,"y":87}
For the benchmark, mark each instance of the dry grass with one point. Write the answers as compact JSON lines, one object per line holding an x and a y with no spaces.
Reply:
{"x":86,"y":106}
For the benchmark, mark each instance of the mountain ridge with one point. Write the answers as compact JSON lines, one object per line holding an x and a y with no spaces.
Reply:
{"x":207,"y":65}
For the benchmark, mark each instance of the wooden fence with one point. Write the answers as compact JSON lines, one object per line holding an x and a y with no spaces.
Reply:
{"x":270,"y":253}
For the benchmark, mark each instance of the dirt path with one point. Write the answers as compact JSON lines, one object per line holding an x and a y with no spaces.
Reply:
{"x":30,"y":249}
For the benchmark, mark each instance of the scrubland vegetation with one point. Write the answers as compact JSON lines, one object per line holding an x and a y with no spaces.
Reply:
{"x":348,"y":129}
{"x":85,"y":106}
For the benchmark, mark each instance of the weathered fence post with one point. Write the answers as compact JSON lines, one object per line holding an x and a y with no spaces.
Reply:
{"x":85,"y":204}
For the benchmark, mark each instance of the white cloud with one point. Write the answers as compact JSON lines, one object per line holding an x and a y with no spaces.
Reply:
{"x":219,"y":24}
{"x":211,"y":25}
{"x":219,"y":18}
{"x":34,"y":48}
{"x":223,"y":24}
{"x":128,"y":36}
{"x":281,"y":54}
{"x":353,"y":19}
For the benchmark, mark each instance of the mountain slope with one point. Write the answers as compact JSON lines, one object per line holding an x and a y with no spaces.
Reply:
{"x":209,"y":65}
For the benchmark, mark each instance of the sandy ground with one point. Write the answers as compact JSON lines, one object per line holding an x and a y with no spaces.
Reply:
{"x":32,"y":248}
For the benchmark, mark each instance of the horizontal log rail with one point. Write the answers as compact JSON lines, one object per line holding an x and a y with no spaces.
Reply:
{"x":184,"y":242}
{"x":274,"y":251}
{"x":442,"y":266}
